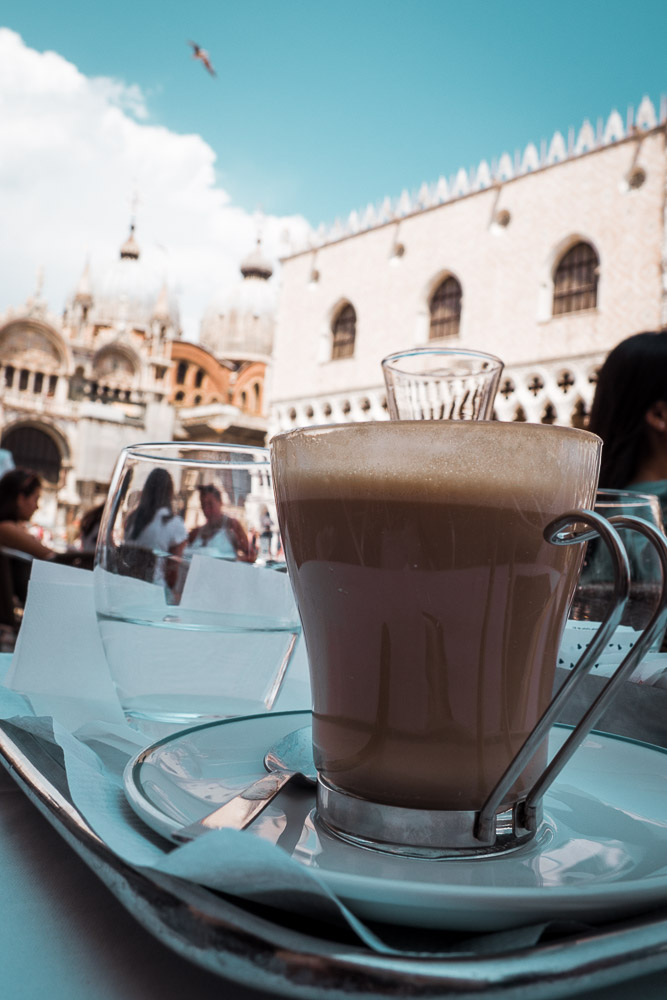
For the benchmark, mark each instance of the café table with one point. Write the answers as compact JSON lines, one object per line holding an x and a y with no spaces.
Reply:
{"x":65,"y":935}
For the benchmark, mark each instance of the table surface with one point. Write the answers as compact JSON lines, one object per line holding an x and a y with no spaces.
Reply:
{"x":64,"y":935}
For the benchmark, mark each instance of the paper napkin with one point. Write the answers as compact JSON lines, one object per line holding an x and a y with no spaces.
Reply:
{"x":59,"y":660}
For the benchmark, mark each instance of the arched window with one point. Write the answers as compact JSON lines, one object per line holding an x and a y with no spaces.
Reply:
{"x":257,"y":403}
{"x":576,"y":280}
{"x":445,"y":310}
{"x":179,"y":397}
{"x":180,"y":372}
{"x":199,"y":378}
{"x":344,"y":330}
{"x":34,"y":449}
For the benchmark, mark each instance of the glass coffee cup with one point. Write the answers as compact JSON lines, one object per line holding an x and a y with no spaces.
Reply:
{"x":433,"y":576}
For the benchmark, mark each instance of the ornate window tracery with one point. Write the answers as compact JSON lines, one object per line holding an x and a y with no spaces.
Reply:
{"x":113,"y":364}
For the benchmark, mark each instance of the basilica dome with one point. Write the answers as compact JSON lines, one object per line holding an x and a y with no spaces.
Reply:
{"x":131,"y":291}
{"x":239,"y":324}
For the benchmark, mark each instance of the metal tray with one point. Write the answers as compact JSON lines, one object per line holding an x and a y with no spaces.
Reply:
{"x":253,"y":945}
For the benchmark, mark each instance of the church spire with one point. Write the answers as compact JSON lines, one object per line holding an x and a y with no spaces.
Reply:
{"x":161,"y":311}
{"x":83,"y":293}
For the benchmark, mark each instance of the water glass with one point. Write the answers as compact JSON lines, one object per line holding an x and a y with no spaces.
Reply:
{"x":593,"y":593}
{"x":197,"y":620}
{"x":441,"y":383}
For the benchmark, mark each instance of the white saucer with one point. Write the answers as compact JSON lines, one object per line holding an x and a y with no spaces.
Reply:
{"x":600,"y":854}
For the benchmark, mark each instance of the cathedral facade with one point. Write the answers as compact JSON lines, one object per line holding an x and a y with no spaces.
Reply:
{"x":113,"y":371}
{"x":546,"y":259}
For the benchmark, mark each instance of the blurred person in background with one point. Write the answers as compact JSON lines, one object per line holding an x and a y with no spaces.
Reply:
{"x":89,"y":528}
{"x":220,"y":536}
{"x":154,"y":528}
{"x":20,"y":492}
{"x":629,"y":413}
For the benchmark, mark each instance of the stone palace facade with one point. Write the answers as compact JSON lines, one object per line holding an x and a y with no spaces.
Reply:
{"x":547,"y":259}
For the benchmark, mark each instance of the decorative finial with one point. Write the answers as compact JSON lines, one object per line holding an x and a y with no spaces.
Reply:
{"x":130,"y":248}
{"x":135,"y":201}
{"x":259,"y":220}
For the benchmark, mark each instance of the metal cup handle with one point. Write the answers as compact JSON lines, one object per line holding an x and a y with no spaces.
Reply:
{"x":526,"y":810}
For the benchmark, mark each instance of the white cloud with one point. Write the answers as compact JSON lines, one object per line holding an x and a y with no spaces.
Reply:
{"x":73,"y":150}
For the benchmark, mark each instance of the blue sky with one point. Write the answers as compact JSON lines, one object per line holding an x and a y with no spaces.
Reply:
{"x":319,"y":108}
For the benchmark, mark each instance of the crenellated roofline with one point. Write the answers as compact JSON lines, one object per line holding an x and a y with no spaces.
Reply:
{"x":487,"y":176}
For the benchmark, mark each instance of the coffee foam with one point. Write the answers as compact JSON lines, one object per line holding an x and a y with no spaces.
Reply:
{"x":398,"y":460}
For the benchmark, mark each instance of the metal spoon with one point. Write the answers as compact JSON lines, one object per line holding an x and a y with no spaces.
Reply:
{"x":290,"y":759}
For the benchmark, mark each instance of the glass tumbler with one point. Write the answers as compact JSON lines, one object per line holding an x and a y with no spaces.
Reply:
{"x":441,"y":383}
{"x":196,"y":619}
{"x":593,"y":593}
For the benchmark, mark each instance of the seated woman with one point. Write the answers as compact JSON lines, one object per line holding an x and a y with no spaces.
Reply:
{"x":154,"y":533}
{"x":629,"y":413}
{"x":220,"y":536}
{"x":20,"y":492}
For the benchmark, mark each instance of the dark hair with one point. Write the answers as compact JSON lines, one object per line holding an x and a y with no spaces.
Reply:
{"x":158,"y":492}
{"x":210,"y":490}
{"x":632,"y":379}
{"x":15,"y":483}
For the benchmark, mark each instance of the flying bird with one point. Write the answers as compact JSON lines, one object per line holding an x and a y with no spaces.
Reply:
{"x":202,"y":55}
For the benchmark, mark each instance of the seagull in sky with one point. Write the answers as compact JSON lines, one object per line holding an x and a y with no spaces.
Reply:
{"x":202,"y":55}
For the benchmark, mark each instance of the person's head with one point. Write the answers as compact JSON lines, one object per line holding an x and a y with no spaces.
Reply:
{"x":629,"y":409}
{"x":20,"y":491}
{"x":210,"y":499}
{"x":158,"y":492}
{"x":158,"y":489}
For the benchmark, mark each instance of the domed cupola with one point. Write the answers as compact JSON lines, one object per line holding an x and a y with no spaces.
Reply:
{"x":256,"y":265}
{"x":129,"y":290}
{"x":238,"y":324}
